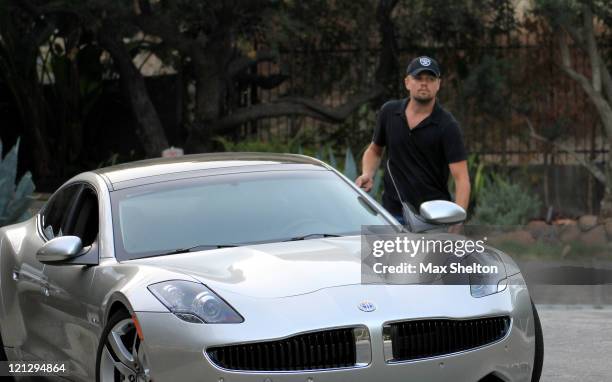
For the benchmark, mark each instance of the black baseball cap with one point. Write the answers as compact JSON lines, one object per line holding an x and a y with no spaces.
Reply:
{"x":422,"y":64}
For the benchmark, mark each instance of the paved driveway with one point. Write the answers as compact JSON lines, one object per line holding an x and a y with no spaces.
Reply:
{"x":578,"y":344}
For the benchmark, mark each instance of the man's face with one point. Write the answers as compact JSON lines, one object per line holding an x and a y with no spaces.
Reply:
{"x":423,"y":87}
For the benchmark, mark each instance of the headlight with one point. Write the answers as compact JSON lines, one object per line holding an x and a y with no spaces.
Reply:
{"x":194,"y":302}
{"x":486,"y":283}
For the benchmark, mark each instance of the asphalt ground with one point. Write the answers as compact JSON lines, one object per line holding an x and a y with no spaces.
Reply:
{"x":577,"y":343}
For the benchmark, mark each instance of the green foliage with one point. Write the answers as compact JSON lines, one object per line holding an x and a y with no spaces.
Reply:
{"x":476,"y":169}
{"x":479,"y":175}
{"x":574,"y":250}
{"x":350,"y":167}
{"x":309,"y":26}
{"x":14,"y":200}
{"x":558,"y":12}
{"x":454,"y":23}
{"x":502,"y":203}
{"x":271,"y":146}
{"x":487,"y":85}
{"x":323,"y":153}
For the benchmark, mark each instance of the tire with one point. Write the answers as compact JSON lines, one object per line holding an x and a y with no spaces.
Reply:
{"x":119,"y":341}
{"x":2,"y":352}
{"x":3,"y":358}
{"x":539,"y":346}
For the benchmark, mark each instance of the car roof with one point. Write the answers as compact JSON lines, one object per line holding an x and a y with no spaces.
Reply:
{"x":152,"y":170}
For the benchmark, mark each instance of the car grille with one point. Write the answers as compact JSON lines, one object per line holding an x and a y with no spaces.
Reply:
{"x":318,"y":350}
{"x":412,"y":340}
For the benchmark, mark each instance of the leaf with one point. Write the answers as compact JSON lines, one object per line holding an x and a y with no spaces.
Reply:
{"x":377,"y":183}
{"x":350,"y":168}
{"x":26,"y":187}
{"x":332,"y":157}
{"x":17,"y":207}
{"x":6,"y":191}
{"x":8,"y":166}
{"x":319,"y":154}
{"x":227,"y":145}
{"x":14,"y":201}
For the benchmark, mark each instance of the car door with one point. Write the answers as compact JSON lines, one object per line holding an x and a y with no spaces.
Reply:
{"x":71,"y":315}
{"x":29,"y":277}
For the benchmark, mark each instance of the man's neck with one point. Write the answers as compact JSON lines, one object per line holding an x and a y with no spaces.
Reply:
{"x":415,"y":107}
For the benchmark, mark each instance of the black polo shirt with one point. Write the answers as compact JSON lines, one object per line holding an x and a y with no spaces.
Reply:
{"x":418,"y":158}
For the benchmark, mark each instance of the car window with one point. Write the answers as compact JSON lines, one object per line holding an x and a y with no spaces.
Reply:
{"x":236,"y":209}
{"x":55,"y":214}
{"x":84,"y":222}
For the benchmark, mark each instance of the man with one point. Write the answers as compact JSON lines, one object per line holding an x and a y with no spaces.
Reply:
{"x":424,"y":142}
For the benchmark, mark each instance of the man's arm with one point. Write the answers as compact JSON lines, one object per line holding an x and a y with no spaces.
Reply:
{"x":459,"y":171}
{"x":369,"y":165}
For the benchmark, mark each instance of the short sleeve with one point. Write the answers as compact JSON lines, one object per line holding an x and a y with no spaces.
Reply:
{"x":452,"y":141}
{"x":380,"y":131}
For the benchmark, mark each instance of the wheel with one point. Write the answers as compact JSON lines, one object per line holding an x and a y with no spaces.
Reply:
{"x":2,"y":352}
{"x":121,"y":356}
{"x":539,"y":346}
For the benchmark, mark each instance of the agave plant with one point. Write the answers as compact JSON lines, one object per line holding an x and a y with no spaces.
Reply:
{"x":14,"y":200}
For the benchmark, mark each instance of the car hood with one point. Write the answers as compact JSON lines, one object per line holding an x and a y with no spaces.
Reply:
{"x":271,"y":270}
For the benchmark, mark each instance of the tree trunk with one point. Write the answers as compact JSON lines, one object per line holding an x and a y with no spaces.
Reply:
{"x":148,"y":125}
{"x":34,"y":124}
{"x":387,"y":71}
{"x":210,"y":68}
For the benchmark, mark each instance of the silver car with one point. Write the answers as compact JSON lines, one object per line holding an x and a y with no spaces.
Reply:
{"x":239,"y":267}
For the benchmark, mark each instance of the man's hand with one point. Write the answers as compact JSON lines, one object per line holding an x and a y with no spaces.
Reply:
{"x":370,"y":164}
{"x":365,"y":181}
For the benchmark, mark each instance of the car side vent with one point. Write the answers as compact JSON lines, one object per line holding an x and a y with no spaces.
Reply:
{"x":317,"y":350}
{"x":412,"y":340}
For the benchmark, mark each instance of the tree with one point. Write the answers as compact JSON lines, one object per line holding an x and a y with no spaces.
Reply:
{"x":573,"y":22}
{"x":219,"y":44}
{"x":20,"y":39}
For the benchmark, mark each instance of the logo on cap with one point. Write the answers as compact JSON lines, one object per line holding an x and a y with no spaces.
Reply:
{"x":425,"y":61}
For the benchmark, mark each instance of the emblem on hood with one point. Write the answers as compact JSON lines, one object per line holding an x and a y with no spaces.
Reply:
{"x":366,"y":306}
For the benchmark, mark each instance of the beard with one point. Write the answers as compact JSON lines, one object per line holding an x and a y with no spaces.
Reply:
{"x":423,"y":100}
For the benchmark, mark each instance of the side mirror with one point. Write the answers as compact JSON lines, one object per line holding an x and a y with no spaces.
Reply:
{"x":60,"y":249}
{"x":442,"y":212}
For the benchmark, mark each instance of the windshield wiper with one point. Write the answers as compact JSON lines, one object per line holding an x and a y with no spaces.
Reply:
{"x":196,"y":247}
{"x":312,"y":236}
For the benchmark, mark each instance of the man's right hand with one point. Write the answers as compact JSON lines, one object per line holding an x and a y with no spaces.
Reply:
{"x":365,"y":182}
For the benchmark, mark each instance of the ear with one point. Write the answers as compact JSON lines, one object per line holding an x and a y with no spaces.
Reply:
{"x":406,"y":82}
{"x":439,"y":83}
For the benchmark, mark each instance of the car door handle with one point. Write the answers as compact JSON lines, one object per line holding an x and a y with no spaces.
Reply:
{"x":16,"y":275}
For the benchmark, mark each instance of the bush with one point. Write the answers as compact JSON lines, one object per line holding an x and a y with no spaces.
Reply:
{"x":14,"y":200}
{"x":502,"y":203}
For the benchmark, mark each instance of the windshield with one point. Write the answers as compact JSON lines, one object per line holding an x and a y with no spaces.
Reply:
{"x":236,"y":209}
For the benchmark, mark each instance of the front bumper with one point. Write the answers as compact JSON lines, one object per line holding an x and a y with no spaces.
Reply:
{"x":177,"y":350}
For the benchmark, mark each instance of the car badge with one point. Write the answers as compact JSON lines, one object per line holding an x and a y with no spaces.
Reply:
{"x":366,"y":306}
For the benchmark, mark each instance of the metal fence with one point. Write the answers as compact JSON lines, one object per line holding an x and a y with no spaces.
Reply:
{"x":557,"y":106}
